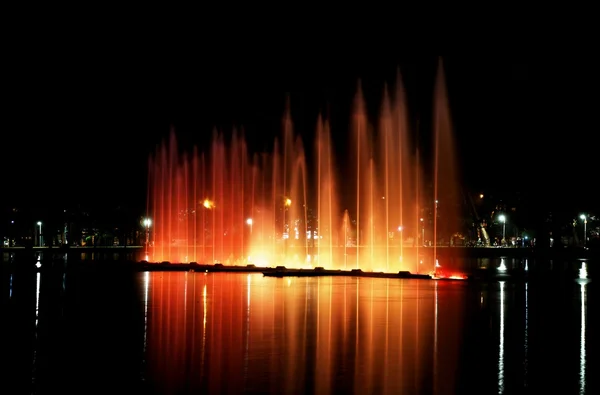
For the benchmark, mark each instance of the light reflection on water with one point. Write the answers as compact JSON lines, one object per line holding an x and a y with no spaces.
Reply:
{"x":526,"y":338}
{"x":220,"y":333}
{"x":501,"y":345}
{"x":582,"y":353}
{"x":303,"y":335}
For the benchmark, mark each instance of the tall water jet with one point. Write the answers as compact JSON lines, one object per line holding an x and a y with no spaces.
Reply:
{"x":446,"y":202}
{"x":360,"y":158}
{"x":387,"y":148}
{"x":326,"y":238}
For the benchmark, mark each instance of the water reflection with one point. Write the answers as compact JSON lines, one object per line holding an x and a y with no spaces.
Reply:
{"x":501,"y":345}
{"x":221,"y":333}
{"x":247,"y":333}
{"x":302,"y":335}
{"x":146,"y":284}
{"x":435,"y":341}
{"x":583,"y":274}
{"x":582,"y":353}
{"x":526,"y":337}
{"x":38,"y":278}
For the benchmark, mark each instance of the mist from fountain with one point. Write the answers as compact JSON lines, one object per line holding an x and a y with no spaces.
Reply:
{"x":234,"y":207}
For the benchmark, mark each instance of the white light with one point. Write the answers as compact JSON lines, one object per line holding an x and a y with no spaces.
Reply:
{"x":502,"y":267}
{"x":502,"y":218}
{"x":583,"y":271}
{"x":249,"y":221}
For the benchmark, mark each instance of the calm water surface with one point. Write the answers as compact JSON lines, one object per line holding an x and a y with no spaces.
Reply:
{"x":183,"y":332}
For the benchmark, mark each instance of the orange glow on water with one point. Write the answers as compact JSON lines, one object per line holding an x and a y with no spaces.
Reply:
{"x":235,"y":333}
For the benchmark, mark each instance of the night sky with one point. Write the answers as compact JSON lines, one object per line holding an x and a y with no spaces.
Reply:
{"x":78,"y":127}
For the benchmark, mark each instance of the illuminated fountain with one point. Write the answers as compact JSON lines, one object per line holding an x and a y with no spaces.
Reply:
{"x":365,"y":212}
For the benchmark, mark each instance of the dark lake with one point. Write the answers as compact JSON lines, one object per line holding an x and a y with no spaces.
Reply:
{"x":88,"y":329}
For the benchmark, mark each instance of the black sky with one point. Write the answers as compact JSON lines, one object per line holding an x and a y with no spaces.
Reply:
{"x":78,"y":127}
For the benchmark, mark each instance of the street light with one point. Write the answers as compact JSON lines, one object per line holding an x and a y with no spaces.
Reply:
{"x":208,"y":204}
{"x":249,"y":222}
{"x":584,"y":218}
{"x":423,"y":231}
{"x":39,"y":223}
{"x":502,"y":219}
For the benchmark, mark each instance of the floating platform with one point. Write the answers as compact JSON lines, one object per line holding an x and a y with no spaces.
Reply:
{"x":320,"y":272}
{"x":278,"y":271}
{"x":196,"y":267}
{"x":477,"y":275}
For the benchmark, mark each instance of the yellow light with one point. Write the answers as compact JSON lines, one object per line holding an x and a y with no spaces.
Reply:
{"x":208,"y":204}
{"x":288,"y":202}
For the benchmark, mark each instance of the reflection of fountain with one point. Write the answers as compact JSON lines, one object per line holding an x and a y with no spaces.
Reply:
{"x":435,"y":340}
{"x":301,"y":335}
{"x":501,"y":344}
{"x":146,"y":283}
{"x":204,"y":317}
{"x":200,"y":202}
{"x":247,"y":332}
